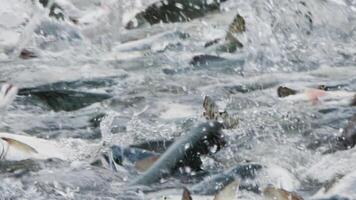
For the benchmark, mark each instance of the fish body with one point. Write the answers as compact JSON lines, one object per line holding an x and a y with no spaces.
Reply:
{"x":322,"y":97}
{"x":173,"y":11}
{"x":196,"y":142}
{"x":19,"y":147}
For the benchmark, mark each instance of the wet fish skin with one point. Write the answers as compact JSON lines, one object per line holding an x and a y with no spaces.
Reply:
{"x":173,"y":11}
{"x":285,"y":91}
{"x":348,"y":136}
{"x":64,"y":100}
{"x":131,"y":154}
{"x":19,"y":145}
{"x":211,"y":185}
{"x":196,"y":142}
{"x":27,"y":54}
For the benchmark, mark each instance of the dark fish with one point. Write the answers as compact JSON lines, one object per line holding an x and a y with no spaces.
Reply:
{"x":284,"y":91}
{"x":55,"y":10}
{"x":347,"y":139}
{"x":143,"y":158}
{"x":173,"y":11}
{"x":196,"y":143}
{"x":348,"y":136}
{"x":27,"y":54}
{"x":201,"y":60}
{"x":217,"y":63}
{"x":63,"y":100}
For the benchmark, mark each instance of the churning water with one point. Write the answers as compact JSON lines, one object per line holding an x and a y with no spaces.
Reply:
{"x":149,"y":83}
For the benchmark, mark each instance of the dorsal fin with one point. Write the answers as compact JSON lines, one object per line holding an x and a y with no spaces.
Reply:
{"x":238,"y":25}
{"x":228,"y":192}
{"x":19,"y":145}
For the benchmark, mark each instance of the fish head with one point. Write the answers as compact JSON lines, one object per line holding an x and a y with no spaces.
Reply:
{"x":213,"y":141}
{"x":285,"y":91}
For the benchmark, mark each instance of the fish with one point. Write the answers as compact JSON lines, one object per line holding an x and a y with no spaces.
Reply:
{"x":63,"y":99}
{"x":27,"y":54}
{"x":56,"y":11}
{"x":7,"y":94}
{"x":230,"y":43}
{"x":348,"y":137}
{"x":317,"y":96}
{"x":212,"y":112}
{"x":194,"y":144}
{"x":214,"y":183}
{"x":15,"y":147}
{"x":173,"y":11}
{"x":285,"y":91}
{"x":145,"y":164}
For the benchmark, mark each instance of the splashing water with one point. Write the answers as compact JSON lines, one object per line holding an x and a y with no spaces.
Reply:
{"x":157,"y":77}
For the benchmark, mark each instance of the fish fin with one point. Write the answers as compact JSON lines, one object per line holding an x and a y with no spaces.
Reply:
{"x":228,"y":192}
{"x":186,"y":194}
{"x":145,"y":164}
{"x":211,"y":108}
{"x":212,"y":113}
{"x":238,"y":25}
{"x":19,"y":145}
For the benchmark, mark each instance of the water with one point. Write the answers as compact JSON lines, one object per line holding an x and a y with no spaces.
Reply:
{"x":157,"y":94}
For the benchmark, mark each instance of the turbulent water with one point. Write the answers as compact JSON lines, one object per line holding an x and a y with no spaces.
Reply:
{"x":156,"y":92}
